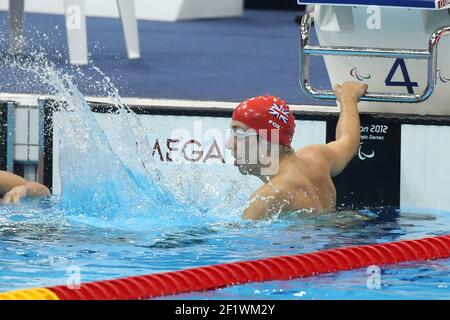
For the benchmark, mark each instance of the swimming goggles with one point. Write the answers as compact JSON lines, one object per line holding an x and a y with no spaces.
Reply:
{"x":242,"y":134}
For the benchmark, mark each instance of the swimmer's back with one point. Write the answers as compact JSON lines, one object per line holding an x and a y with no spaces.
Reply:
{"x":310,"y":177}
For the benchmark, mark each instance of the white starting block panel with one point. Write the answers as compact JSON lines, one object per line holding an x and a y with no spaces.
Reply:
{"x":386,"y":25}
{"x":411,"y":4}
{"x":159,"y":10}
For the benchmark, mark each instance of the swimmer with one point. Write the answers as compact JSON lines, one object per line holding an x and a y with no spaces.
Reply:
{"x":14,"y":188}
{"x":303,"y":179}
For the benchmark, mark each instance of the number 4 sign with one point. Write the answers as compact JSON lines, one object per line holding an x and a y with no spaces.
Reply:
{"x":407,"y":81}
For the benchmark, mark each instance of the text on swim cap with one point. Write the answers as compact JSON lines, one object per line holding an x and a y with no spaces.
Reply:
{"x":276,"y":125}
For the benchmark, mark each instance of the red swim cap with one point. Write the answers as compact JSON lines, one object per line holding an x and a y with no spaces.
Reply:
{"x":267,"y":112}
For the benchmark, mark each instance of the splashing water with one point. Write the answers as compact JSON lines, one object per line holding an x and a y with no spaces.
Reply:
{"x":104,"y":182}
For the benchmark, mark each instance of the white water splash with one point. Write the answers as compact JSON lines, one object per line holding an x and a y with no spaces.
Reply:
{"x":120,"y":181}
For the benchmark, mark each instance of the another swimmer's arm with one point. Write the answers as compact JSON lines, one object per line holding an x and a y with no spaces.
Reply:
{"x":262,"y":204}
{"x":344,"y":148}
{"x":8,"y":181}
{"x":15,"y":188}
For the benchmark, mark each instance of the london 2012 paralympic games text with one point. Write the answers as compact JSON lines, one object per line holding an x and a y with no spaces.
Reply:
{"x":226,"y":309}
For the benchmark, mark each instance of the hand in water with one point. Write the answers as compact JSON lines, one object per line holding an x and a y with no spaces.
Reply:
{"x":15,"y":194}
{"x":353,"y":90}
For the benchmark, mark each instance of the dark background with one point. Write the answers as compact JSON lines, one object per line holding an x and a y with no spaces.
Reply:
{"x":3,"y":134}
{"x":374,"y":182}
{"x":273,"y":5}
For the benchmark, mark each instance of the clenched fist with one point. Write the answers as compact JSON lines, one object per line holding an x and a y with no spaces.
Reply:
{"x":350,"y":90}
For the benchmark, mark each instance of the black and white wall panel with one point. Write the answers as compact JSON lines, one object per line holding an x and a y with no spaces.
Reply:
{"x":3,"y":135}
{"x":26,"y":141}
{"x":425,"y":166}
{"x":7,"y":122}
{"x":402,"y":160}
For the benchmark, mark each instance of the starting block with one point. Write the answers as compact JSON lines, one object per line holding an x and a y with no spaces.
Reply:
{"x":399,"y":48}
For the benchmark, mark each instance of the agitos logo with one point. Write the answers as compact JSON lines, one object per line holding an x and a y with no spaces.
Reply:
{"x":355,"y":74}
{"x":192,"y":151}
{"x":363,"y":156}
{"x":441,"y":76}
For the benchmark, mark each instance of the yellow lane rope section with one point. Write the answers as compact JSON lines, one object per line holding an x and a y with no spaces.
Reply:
{"x":29,"y":294}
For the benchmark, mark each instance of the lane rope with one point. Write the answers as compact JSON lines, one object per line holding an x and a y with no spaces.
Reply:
{"x":29,"y":294}
{"x":222,"y":275}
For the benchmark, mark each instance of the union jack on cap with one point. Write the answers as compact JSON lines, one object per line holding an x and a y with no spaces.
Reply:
{"x":280,"y":113}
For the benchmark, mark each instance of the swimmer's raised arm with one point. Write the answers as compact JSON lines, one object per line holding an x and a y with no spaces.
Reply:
{"x":344,"y":148}
{"x":15,"y":188}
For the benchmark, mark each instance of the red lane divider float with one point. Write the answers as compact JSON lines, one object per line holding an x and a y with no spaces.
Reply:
{"x":277,"y":268}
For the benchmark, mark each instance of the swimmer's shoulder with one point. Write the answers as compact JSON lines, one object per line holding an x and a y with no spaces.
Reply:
{"x":278,"y":187}
{"x":312,"y":150}
{"x":289,"y":183}
{"x":314,"y":156}
{"x":292,"y":193}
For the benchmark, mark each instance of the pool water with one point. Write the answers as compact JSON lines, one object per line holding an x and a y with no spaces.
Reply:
{"x":39,"y":247}
{"x":122,"y":214}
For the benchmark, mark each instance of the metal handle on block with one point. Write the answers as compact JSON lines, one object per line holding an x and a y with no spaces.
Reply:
{"x":430,"y":55}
